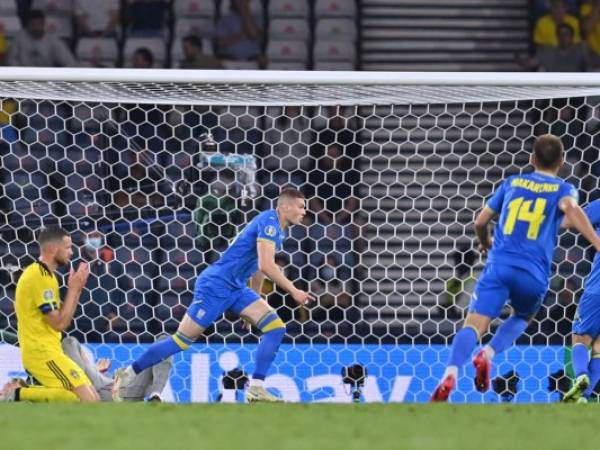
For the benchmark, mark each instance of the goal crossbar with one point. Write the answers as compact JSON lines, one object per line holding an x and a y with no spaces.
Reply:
{"x":264,"y":88}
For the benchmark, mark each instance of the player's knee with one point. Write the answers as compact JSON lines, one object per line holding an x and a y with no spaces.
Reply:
{"x":182,"y":340}
{"x":477,"y":322}
{"x":596,"y":347}
{"x":579,"y":339}
{"x":271,"y":323}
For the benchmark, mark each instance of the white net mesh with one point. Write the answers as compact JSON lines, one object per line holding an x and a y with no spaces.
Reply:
{"x":388,"y":246}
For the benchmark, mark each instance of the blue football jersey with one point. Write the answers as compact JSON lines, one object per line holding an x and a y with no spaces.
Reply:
{"x":527,"y":230}
{"x":240,"y":261}
{"x":592,"y":283}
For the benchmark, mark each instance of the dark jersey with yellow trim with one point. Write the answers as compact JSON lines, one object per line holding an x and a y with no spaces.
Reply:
{"x":36,"y":295}
{"x":240,"y":260}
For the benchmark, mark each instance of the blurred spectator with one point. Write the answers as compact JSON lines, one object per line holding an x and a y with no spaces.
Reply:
{"x":332,"y":237}
{"x":105,"y":289}
{"x":96,"y":18}
{"x":142,"y":59}
{"x":8,"y":133}
{"x":288,"y":137}
{"x":545,"y":28}
{"x":216,"y":217}
{"x":590,"y":17}
{"x":335,"y":309}
{"x":194,"y":58}
{"x":335,"y":178}
{"x":556,"y":325}
{"x":566,"y":57}
{"x":33,"y":47}
{"x":459,"y":287}
{"x":2,"y":48}
{"x":147,"y":17}
{"x":140,"y":188}
{"x":238,"y":33}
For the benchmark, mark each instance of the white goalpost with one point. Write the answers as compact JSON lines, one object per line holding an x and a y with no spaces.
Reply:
{"x":154,"y":171}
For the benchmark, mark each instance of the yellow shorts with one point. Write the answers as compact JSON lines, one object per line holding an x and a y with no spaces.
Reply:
{"x":55,"y":370}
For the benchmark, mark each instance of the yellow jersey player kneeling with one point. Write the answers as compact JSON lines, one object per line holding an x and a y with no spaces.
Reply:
{"x":41,"y":319}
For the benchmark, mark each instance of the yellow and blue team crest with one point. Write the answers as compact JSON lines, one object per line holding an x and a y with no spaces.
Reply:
{"x":270,"y":230}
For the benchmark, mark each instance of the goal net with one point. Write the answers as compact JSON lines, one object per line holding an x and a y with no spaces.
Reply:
{"x":154,"y":172}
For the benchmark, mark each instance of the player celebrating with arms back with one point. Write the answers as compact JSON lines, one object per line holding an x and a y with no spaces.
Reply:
{"x":223,"y":286}
{"x":531,"y":208}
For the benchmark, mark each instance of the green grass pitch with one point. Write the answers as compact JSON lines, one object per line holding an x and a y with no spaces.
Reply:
{"x":295,"y":426}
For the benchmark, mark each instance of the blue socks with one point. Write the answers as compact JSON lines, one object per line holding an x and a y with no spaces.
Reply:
{"x":594,"y":369}
{"x":466,"y":339}
{"x":462,"y":346}
{"x":581,"y":359}
{"x":273,"y":330}
{"x":508,"y":333}
{"x":160,"y":351}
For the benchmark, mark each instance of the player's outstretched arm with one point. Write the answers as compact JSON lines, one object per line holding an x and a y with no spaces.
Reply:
{"x":576,"y":218}
{"x":61,"y":318}
{"x":482,"y":228}
{"x":268,"y":266}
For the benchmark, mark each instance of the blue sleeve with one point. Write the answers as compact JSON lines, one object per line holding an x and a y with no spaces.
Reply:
{"x":268,"y":230}
{"x":495,"y":203}
{"x":593,"y":212}
{"x":568,"y":190}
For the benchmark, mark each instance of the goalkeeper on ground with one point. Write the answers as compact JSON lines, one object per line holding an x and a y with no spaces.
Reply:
{"x":147,"y":385}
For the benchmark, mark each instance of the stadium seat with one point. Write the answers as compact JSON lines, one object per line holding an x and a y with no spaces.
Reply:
{"x":196,"y":26}
{"x":335,"y":8}
{"x":148,"y":19}
{"x":239,"y":65}
{"x":103,"y":50}
{"x":60,"y":26}
{"x":286,"y":65}
{"x":97,"y":18}
{"x":289,"y":29}
{"x":287,"y":51}
{"x":155,"y":45}
{"x":334,"y":50}
{"x":194,"y":8}
{"x":288,"y":8}
{"x":9,"y":25}
{"x":256,"y":7}
{"x":336,"y":28}
{"x":54,"y":7}
{"x":334,"y":65}
{"x":8,"y":7}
